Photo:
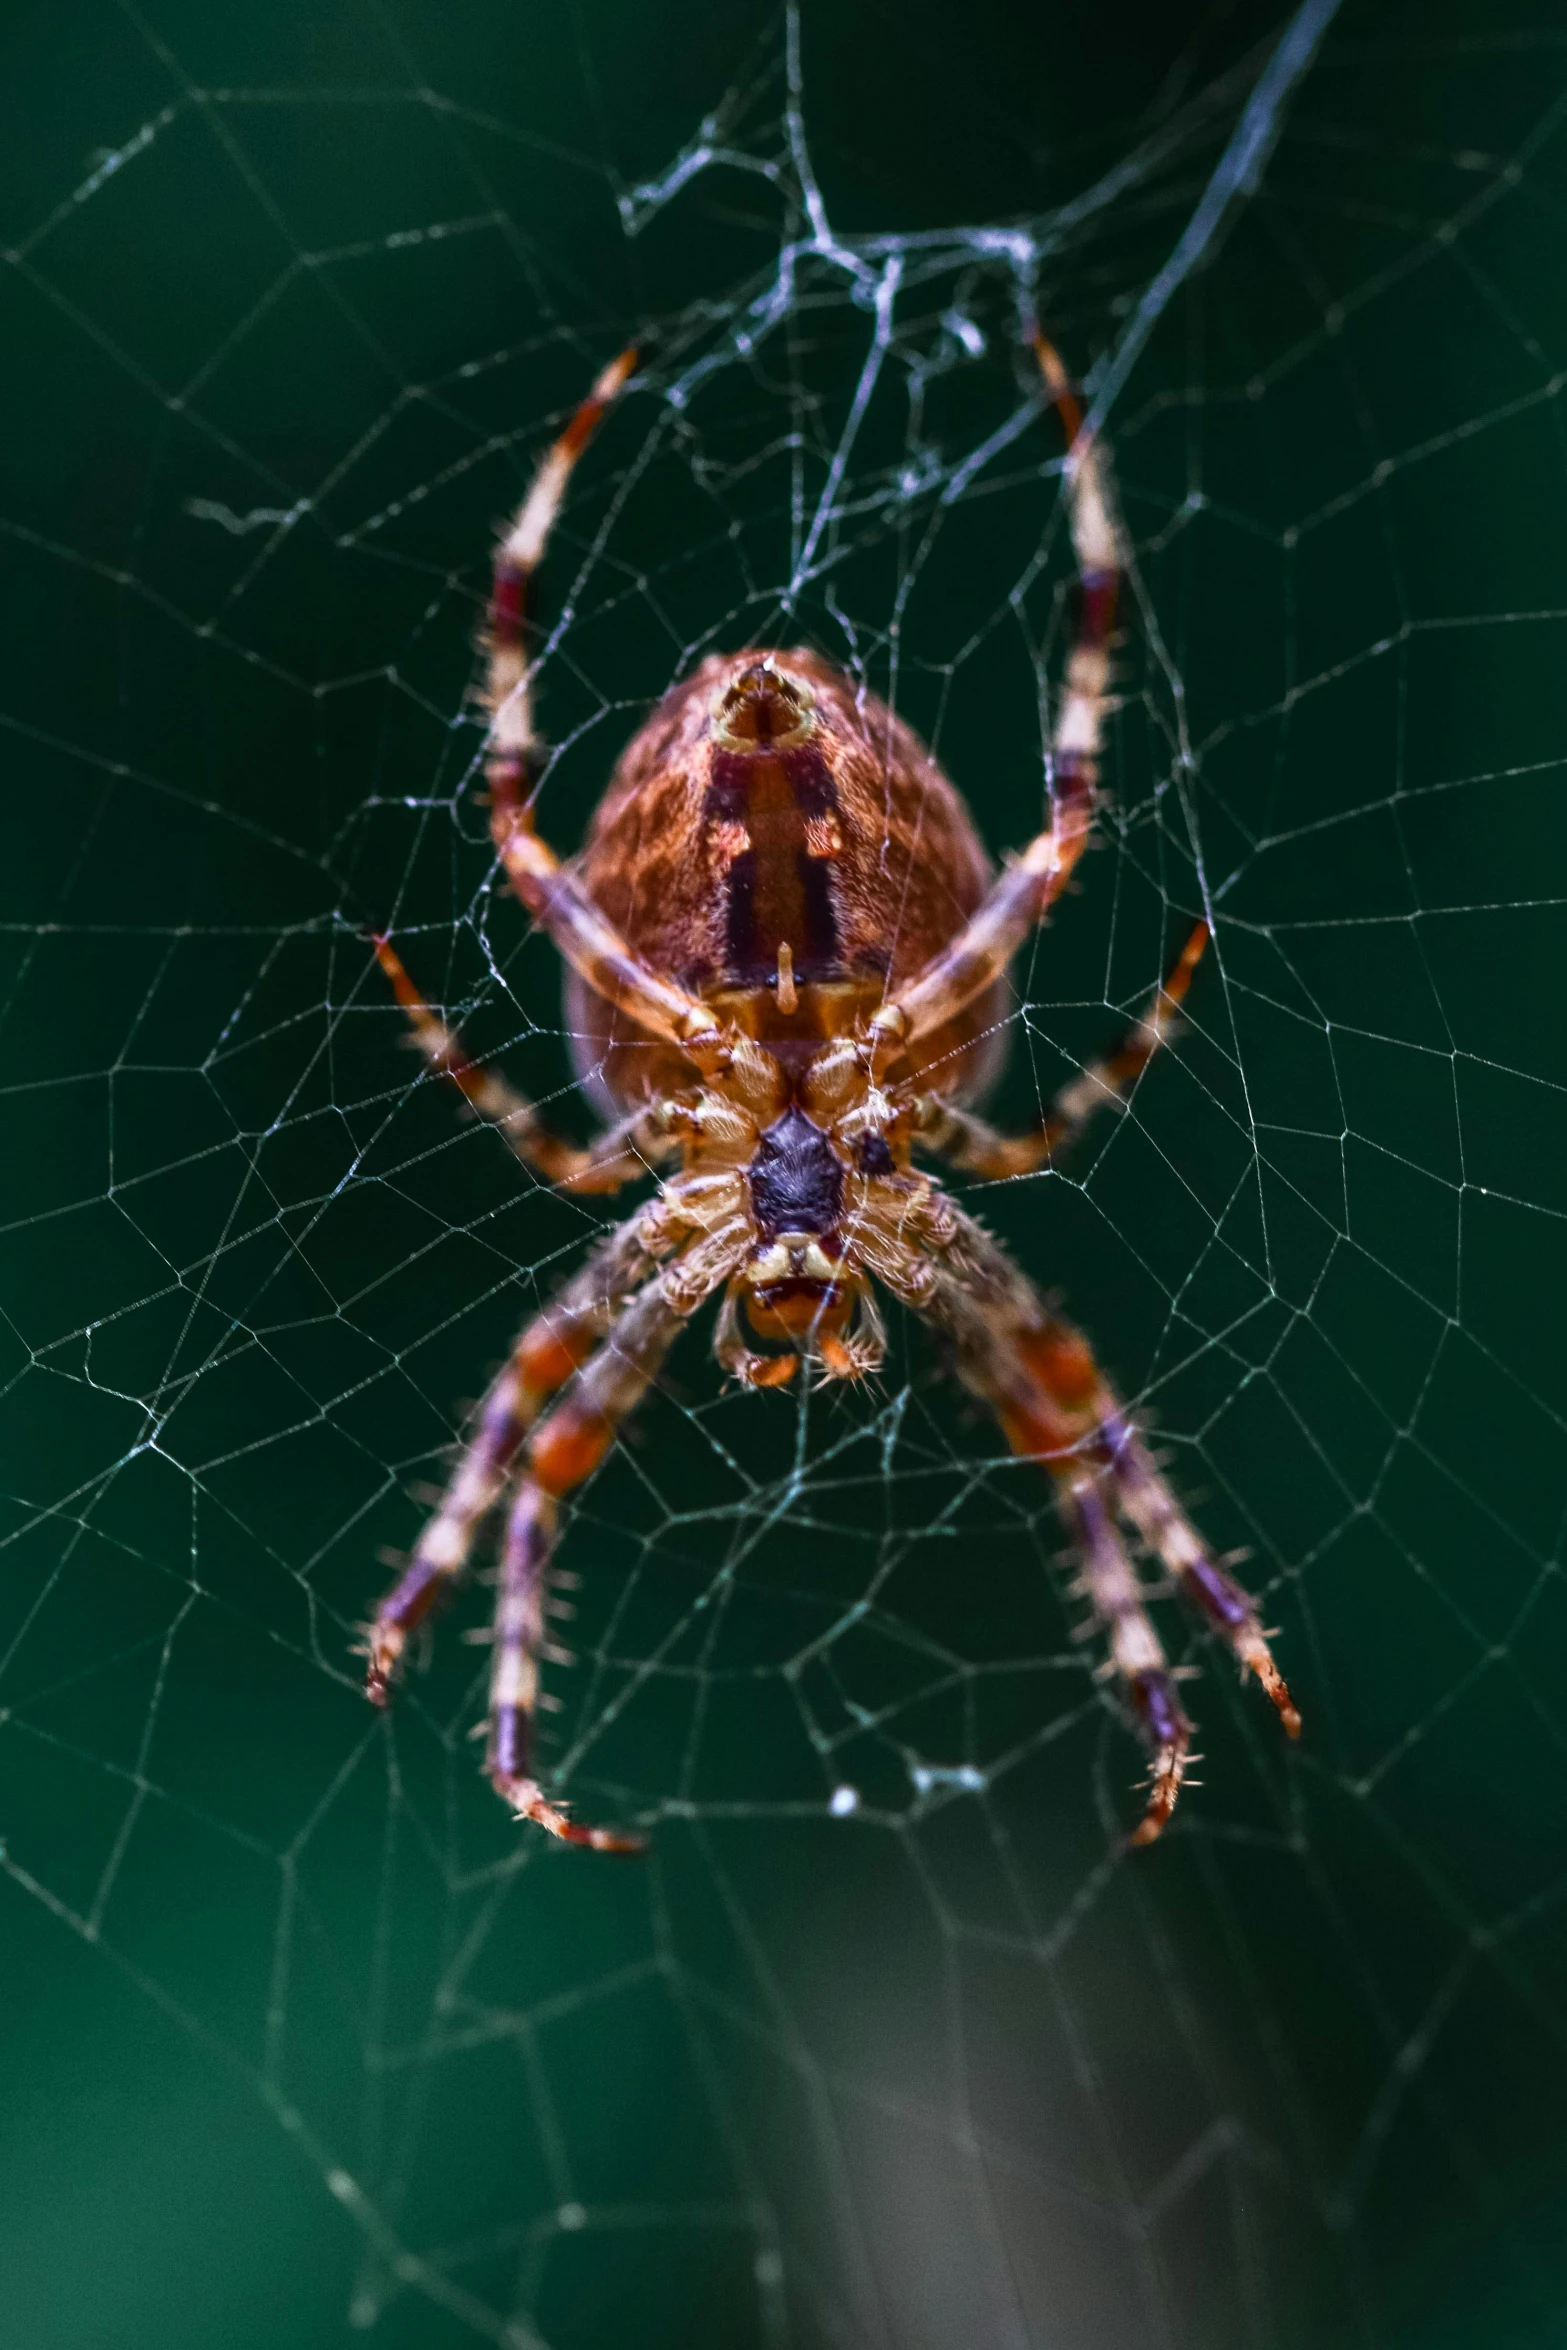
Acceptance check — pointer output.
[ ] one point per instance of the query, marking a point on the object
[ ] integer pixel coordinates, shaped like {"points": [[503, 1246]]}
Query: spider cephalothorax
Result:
{"points": [[787, 958]]}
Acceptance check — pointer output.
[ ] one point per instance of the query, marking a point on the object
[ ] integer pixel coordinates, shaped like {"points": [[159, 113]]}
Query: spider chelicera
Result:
{"points": [[786, 958]]}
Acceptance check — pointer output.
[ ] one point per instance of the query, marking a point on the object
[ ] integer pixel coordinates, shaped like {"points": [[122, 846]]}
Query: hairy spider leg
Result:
{"points": [[441, 1552], [563, 1451], [1061, 1359], [975, 1147], [1108, 1581], [613, 1160], [595, 949], [1031, 883], [1105, 1084], [550, 1351], [1146, 1500], [552, 893], [512, 750], [1046, 1394], [1039, 1376]]}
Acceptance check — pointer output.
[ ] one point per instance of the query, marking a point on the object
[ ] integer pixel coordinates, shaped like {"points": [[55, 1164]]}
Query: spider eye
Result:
{"points": [[873, 1157]]}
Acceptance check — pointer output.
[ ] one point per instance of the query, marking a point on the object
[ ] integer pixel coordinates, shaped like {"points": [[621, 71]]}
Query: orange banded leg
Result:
{"points": [[1146, 1500], [548, 1354], [1108, 1581], [1101, 561], [1062, 1361], [977, 1148], [514, 1676], [1039, 1376], [616, 1158], [565, 1450], [1025, 892], [553, 895], [441, 1552], [1072, 1392], [1047, 1393], [513, 746]]}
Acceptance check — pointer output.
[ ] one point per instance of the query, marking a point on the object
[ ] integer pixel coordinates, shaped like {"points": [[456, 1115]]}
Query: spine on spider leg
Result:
{"points": [[1137, 1659], [1050, 1413], [563, 1452], [514, 1677], [488, 1095], [1039, 1377], [512, 749], [550, 1352], [1032, 883], [442, 1550], [1226, 1606], [1105, 1084]]}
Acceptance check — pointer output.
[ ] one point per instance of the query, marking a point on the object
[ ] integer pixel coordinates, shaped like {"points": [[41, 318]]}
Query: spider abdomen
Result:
{"points": [[790, 849]]}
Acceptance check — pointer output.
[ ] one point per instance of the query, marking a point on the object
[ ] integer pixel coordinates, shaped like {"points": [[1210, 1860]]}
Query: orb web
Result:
{"points": [[887, 2041]]}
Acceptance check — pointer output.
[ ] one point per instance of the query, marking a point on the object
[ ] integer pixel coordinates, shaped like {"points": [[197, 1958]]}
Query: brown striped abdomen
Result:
{"points": [[765, 804]]}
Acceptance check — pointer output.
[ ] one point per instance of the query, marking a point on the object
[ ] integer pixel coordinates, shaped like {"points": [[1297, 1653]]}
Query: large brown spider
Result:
{"points": [[786, 960]]}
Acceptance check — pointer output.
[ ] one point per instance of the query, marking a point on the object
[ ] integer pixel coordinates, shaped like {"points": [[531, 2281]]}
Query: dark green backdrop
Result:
{"points": [[298, 2034]]}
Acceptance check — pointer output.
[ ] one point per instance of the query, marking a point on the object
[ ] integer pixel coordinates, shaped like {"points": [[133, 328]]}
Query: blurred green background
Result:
{"points": [[300, 2036]]}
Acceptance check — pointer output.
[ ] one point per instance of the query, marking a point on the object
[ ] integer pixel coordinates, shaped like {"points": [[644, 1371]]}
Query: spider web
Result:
{"points": [[886, 2043]]}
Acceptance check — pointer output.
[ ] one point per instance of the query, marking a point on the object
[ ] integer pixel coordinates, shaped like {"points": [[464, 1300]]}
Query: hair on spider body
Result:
{"points": [[787, 958]]}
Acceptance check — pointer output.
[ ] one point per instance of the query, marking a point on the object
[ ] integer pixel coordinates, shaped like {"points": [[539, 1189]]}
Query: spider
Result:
{"points": [[786, 967]]}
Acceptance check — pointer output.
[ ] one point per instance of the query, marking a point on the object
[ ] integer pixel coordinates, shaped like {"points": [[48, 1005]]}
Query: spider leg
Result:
{"points": [[974, 1147], [513, 748], [1039, 1377], [552, 894], [1023, 895], [1109, 1582], [628, 1150], [1147, 1501], [548, 1353], [565, 1450]]}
